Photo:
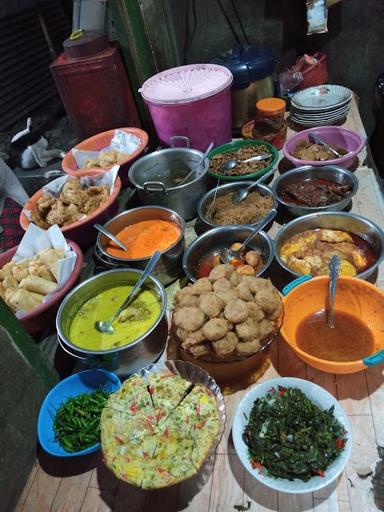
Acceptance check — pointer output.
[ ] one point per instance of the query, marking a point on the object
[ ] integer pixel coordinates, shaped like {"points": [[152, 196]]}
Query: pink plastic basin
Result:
{"points": [[349, 140], [44, 315], [192, 101]]}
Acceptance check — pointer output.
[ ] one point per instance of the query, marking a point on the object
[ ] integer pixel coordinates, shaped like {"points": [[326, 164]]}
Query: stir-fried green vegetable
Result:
{"points": [[77, 421], [290, 437]]}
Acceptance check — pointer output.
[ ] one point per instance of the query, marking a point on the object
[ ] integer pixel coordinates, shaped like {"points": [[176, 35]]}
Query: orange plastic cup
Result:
{"points": [[354, 296]]}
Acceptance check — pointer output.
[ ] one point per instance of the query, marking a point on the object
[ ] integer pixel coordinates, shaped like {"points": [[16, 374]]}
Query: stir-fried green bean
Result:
{"points": [[289, 437], [77, 421]]}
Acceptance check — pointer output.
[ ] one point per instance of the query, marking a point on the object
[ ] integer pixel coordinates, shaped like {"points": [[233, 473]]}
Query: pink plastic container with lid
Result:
{"points": [[192, 101]]}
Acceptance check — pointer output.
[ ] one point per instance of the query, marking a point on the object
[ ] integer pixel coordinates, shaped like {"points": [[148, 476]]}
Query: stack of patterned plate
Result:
{"points": [[321, 105]]}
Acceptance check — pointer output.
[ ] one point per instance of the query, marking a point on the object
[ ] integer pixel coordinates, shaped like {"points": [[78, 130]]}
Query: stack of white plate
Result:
{"points": [[321, 105]]}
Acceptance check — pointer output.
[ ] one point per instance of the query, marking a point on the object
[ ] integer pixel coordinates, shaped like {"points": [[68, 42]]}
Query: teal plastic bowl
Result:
{"points": [[233, 146], [82, 382]]}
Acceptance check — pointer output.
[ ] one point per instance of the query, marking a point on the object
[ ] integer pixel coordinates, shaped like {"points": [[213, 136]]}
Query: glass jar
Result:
{"points": [[270, 124]]}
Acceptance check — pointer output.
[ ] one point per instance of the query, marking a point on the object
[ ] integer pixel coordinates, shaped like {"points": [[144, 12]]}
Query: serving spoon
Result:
{"points": [[231, 164], [315, 139], [109, 235], [334, 269], [106, 325], [227, 255], [240, 195], [197, 165]]}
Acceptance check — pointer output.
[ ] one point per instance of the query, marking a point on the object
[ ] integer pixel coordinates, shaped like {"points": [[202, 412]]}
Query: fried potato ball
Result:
{"points": [[234, 279], [221, 284], [246, 348], [257, 284], [221, 271], [200, 350], [247, 330], [193, 338], [244, 291], [255, 311], [265, 328], [227, 295], [227, 345], [187, 299], [210, 304], [189, 318], [215, 329], [268, 300], [236, 311], [201, 285]]}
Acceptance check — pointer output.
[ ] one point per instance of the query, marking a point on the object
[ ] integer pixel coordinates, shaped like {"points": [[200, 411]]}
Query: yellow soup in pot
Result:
{"points": [[132, 322]]}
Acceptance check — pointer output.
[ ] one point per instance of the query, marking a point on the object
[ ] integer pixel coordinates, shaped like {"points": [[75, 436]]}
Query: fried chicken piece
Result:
{"points": [[95, 197], [236, 311], [221, 285], [44, 204], [38, 220], [244, 291], [246, 348], [189, 318], [227, 295], [227, 345], [73, 193], [210, 304], [221, 271], [200, 350], [72, 214], [255, 311], [247, 330], [215, 329], [269, 301], [201, 285], [57, 214]]}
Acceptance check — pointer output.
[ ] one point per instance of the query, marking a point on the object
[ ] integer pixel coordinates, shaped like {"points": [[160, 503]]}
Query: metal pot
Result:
{"points": [[155, 177], [306, 172], [168, 267], [350, 222], [128, 358], [227, 189]]}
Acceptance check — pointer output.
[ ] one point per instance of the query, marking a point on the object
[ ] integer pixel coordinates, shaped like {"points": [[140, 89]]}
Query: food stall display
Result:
{"points": [[233, 326]]}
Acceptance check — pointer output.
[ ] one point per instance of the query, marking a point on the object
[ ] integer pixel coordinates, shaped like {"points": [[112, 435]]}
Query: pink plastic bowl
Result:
{"points": [[42, 316], [352, 141]]}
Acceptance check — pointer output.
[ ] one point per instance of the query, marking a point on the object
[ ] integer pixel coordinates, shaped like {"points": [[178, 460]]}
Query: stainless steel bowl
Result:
{"points": [[343, 221], [226, 189], [224, 236], [169, 266], [154, 177], [128, 358], [307, 172]]}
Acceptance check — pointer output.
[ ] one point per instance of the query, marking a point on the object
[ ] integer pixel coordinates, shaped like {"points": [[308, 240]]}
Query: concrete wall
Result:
{"points": [[354, 43]]}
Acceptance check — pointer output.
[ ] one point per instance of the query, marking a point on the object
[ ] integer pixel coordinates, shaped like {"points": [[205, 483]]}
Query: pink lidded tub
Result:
{"points": [[192, 101]]}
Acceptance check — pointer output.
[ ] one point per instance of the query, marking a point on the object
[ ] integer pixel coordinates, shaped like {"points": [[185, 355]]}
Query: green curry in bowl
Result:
{"points": [[132, 323]]}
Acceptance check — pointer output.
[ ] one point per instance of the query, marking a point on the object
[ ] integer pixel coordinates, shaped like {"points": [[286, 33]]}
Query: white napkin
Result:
{"points": [[10, 186], [123, 142]]}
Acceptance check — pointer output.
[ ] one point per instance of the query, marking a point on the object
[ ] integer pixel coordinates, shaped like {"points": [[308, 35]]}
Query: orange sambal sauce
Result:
{"points": [[144, 238]]}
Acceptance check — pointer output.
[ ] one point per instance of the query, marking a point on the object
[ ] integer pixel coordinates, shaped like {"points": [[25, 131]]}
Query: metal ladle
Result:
{"points": [[231, 164], [315, 139], [109, 235], [241, 194], [197, 165], [227, 255], [334, 269], [106, 325]]}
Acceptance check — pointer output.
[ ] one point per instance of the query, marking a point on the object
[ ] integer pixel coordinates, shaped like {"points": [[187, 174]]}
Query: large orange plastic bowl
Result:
{"points": [[82, 232], [101, 141], [44, 315], [354, 296]]}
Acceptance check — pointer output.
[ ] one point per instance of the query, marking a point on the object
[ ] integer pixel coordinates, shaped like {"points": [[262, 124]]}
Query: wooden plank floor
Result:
{"points": [[86, 485]]}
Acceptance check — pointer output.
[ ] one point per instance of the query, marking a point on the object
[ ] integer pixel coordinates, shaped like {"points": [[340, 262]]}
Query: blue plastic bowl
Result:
{"points": [[82, 382]]}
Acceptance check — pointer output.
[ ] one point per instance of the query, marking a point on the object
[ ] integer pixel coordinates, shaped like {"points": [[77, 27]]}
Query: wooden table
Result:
{"points": [[87, 486]]}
